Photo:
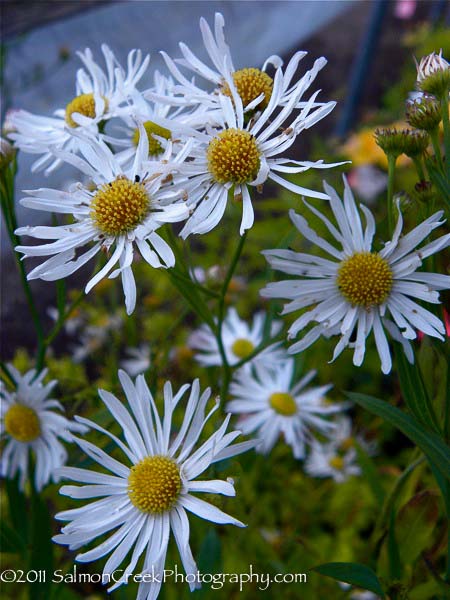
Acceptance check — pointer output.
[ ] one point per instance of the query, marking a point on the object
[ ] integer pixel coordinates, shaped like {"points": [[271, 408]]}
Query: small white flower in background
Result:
{"points": [[272, 404], [31, 421], [93, 337], [240, 157], [239, 339], [337, 458], [358, 288], [146, 498], [254, 86], [124, 211], [138, 360], [72, 324], [98, 98], [367, 182]]}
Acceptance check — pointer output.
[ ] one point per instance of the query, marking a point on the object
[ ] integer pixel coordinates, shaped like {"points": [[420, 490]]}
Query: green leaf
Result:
{"points": [[414, 392], [41, 556], [17, 510], [432, 446], [10, 540], [353, 573], [416, 524], [393, 551]]}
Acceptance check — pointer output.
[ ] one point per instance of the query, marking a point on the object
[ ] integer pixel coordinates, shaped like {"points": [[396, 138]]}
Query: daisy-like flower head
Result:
{"points": [[98, 98], [124, 210], [30, 421], [151, 112], [360, 290], [239, 341], [254, 86], [147, 497], [271, 403], [241, 157], [433, 75], [337, 458]]}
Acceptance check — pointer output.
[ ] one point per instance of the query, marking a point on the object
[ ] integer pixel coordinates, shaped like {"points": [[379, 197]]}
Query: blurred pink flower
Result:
{"points": [[405, 9]]}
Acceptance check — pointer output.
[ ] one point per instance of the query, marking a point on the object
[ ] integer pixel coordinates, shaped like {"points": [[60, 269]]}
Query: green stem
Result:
{"points": [[62, 318], [434, 135], [446, 124], [418, 164], [390, 197], [221, 315]]}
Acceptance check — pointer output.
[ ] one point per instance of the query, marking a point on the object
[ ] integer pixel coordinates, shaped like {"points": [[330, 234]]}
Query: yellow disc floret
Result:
{"points": [[251, 83], [83, 104], [337, 462], [154, 484], [22, 423], [154, 146], [119, 206], [365, 279], [242, 348], [283, 403], [233, 157]]}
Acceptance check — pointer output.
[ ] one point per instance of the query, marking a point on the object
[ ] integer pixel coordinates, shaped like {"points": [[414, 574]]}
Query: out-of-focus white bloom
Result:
{"points": [[146, 497], [95, 336], [337, 458], [30, 421], [100, 95], [271, 403], [239, 341], [358, 288], [124, 211], [368, 182], [138, 361]]}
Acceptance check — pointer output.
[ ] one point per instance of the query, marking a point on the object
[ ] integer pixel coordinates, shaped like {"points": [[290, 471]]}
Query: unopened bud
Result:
{"points": [[424, 113], [433, 75]]}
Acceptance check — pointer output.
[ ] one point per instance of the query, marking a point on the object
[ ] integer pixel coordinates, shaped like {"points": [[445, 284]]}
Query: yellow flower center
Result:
{"points": [[365, 279], [347, 444], [22, 423], [154, 147], [283, 403], [119, 206], [83, 104], [154, 484], [233, 157], [337, 462], [250, 83], [242, 348]]}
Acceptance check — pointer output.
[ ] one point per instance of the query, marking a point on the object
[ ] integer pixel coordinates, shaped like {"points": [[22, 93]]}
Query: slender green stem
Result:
{"points": [[417, 160], [390, 194], [446, 124], [226, 376], [202, 288], [434, 135]]}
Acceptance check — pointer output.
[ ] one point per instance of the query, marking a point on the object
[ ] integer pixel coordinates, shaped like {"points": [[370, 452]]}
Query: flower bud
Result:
{"points": [[433, 75], [425, 192], [7, 153], [394, 142], [424, 113]]}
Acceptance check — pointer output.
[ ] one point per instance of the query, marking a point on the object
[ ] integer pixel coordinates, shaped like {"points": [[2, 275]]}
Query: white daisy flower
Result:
{"points": [[138, 360], [337, 457], [124, 210], [358, 288], [271, 403], [151, 113], [244, 156], [30, 421], [96, 336], [239, 340], [147, 497], [98, 98], [254, 86]]}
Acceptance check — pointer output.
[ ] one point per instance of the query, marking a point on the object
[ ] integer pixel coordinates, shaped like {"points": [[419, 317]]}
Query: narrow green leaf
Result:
{"points": [[17, 509], [10, 540], [431, 445], [353, 573], [41, 556], [414, 392], [416, 522], [395, 564]]}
